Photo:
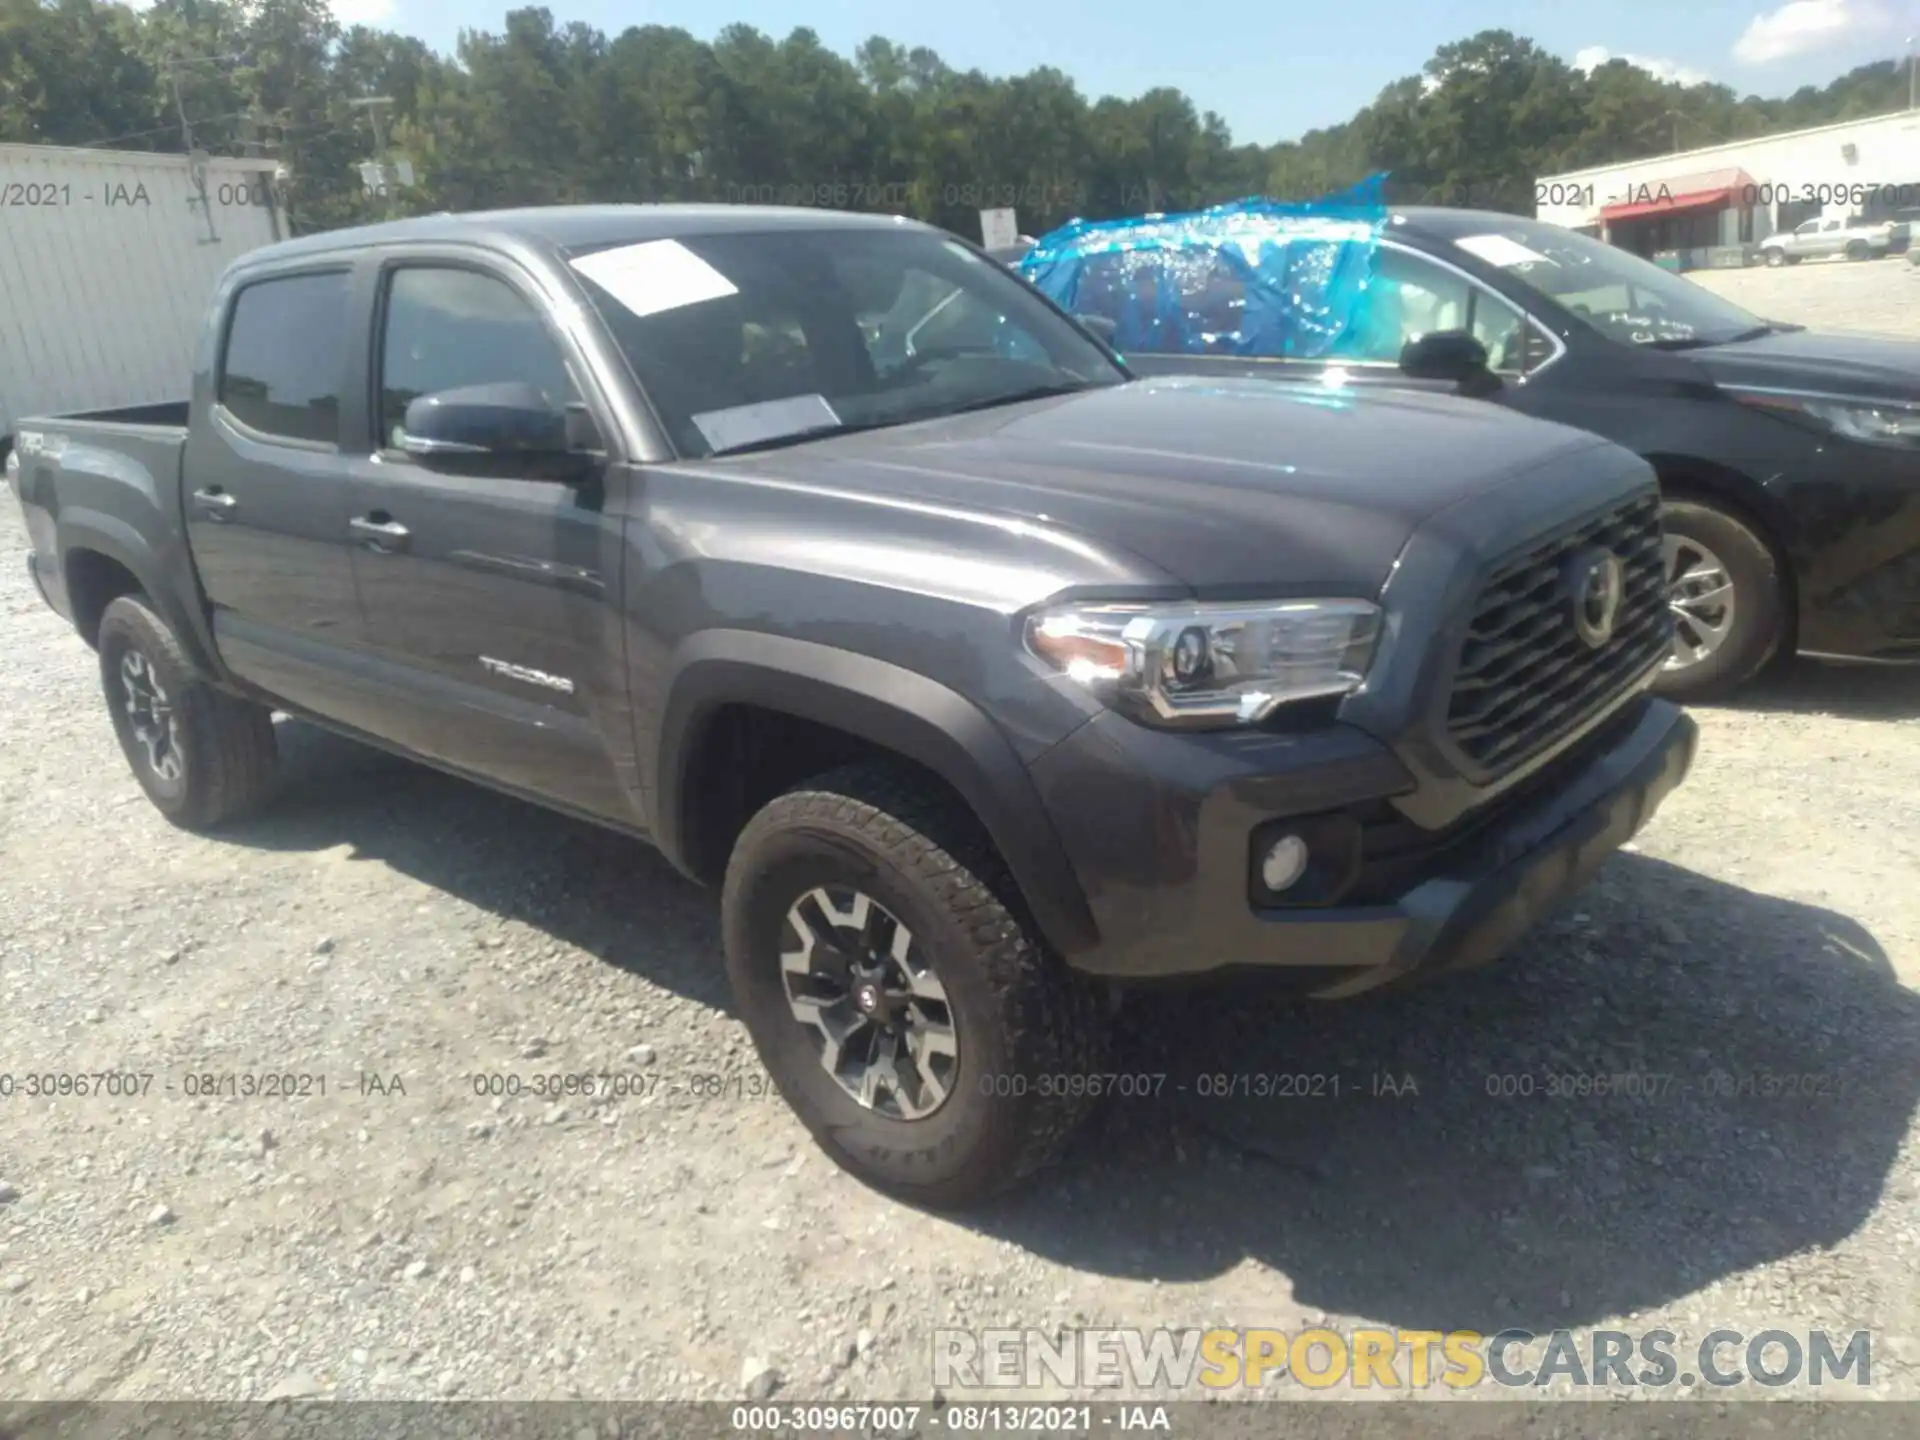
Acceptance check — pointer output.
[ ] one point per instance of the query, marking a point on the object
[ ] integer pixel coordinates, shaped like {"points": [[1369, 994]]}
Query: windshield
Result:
{"points": [[748, 340], [1622, 296]]}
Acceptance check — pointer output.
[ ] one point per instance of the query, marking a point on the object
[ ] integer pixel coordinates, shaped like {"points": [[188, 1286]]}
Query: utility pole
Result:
{"points": [[196, 158], [180, 107], [1910, 73], [374, 105]]}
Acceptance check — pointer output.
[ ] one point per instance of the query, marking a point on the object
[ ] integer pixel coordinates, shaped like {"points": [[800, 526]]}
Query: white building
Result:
{"points": [[107, 261], [1733, 195]]}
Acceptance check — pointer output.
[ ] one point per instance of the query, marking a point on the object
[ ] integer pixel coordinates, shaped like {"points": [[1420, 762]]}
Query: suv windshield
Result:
{"points": [[746, 340], [1622, 296]]}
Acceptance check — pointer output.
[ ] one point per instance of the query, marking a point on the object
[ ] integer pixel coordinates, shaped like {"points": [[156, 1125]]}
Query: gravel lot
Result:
{"points": [[1877, 295], [418, 1239]]}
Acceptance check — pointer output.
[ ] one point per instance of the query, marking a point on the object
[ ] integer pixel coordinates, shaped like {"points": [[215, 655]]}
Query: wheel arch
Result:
{"points": [[98, 554], [1684, 477], [876, 709]]}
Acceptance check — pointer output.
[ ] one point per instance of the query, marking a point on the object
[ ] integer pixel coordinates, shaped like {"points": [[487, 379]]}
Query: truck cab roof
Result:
{"points": [[580, 227]]}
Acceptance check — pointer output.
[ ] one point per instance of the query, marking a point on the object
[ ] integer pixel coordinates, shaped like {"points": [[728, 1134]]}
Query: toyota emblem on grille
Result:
{"points": [[1596, 584]]}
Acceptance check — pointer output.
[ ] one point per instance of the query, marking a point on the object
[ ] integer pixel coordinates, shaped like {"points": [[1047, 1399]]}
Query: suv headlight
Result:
{"points": [[1209, 665], [1876, 422]]}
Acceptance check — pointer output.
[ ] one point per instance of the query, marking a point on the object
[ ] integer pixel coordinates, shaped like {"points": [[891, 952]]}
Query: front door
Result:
{"points": [[1407, 296], [267, 495], [491, 598]]}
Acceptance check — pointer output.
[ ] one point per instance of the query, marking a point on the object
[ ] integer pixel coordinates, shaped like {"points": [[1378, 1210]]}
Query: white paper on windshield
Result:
{"points": [[1499, 250], [654, 276], [769, 420]]}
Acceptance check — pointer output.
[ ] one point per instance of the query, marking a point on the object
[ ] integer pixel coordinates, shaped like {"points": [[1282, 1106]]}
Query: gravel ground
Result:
{"points": [[1876, 295], [409, 1237]]}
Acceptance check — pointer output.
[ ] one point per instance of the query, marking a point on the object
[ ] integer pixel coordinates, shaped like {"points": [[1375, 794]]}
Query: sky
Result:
{"points": [[1272, 68]]}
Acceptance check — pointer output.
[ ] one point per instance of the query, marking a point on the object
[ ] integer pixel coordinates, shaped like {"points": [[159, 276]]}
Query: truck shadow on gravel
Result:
{"points": [[614, 897], [1447, 1166], [1771, 1060]]}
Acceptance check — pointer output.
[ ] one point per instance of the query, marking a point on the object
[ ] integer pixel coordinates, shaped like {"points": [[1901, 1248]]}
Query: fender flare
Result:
{"points": [[894, 708], [86, 529]]}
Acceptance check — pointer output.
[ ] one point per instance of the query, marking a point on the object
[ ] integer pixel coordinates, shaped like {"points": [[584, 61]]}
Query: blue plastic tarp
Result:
{"points": [[1251, 277]]}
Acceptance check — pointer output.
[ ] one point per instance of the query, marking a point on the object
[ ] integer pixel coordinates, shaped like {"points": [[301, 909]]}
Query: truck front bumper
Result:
{"points": [[1165, 833]]}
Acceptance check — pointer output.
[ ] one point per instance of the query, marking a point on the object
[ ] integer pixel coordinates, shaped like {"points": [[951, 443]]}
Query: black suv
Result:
{"points": [[817, 549]]}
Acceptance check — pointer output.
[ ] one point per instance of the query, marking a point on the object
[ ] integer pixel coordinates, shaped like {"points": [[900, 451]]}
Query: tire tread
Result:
{"points": [[1057, 1021], [232, 752]]}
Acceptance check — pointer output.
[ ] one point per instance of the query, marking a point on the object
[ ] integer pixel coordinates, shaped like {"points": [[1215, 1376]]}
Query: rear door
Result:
{"points": [[491, 599], [266, 488]]}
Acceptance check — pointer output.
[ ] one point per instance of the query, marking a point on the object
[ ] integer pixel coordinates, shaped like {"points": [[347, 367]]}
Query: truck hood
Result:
{"points": [[1834, 362], [1222, 484]]}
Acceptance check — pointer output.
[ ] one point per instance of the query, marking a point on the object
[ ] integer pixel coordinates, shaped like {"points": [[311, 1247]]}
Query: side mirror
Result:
{"points": [[1453, 356], [1101, 326], [503, 429]]}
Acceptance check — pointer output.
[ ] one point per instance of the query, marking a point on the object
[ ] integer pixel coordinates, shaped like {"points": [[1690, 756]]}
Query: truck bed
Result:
{"points": [[111, 469], [167, 414]]}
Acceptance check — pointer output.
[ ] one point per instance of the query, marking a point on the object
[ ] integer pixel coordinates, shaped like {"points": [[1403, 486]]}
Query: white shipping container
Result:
{"points": [[107, 261]]}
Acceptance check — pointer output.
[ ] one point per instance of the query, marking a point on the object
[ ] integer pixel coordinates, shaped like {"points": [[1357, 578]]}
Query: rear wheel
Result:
{"points": [[203, 756], [911, 1017], [1859, 250], [1725, 595]]}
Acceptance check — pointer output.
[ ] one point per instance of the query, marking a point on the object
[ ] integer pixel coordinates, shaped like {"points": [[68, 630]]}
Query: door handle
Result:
{"points": [[382, 534], [215, 501]]}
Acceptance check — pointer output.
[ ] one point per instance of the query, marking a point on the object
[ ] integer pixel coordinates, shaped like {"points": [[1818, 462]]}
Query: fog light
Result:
{"points": [[1284, 863]]}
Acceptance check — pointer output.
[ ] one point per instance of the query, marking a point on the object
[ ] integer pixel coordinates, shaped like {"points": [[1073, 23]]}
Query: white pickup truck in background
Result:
{"points": [[107, 261], [1852, 237]]}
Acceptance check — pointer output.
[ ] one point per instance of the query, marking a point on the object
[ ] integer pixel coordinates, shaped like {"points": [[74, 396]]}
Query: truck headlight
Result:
{"points": [[1206, 665]]}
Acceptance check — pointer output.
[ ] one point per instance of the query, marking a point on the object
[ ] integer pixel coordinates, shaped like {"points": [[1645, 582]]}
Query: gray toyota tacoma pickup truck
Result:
{"points": [[981, 677]]}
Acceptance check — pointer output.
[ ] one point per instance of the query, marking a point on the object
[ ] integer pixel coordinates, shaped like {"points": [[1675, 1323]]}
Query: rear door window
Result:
{"points": [[286, 350]]}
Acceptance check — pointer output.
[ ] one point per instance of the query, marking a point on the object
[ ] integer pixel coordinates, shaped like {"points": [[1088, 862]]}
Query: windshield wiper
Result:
{"points": [[1032, 392], [822, 432], [1700, 342], [812, 432]]}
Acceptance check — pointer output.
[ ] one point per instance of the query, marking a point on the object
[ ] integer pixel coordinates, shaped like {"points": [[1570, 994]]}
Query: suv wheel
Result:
{"points": [[907, 1012], [1723, 588], [202, 756], [1776, 256]]}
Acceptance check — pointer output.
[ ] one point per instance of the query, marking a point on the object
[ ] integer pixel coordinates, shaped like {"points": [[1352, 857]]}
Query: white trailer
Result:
{"points": [[107, 261]]}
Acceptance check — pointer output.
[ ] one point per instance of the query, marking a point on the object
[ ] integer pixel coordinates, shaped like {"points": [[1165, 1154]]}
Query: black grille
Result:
{"points": [[1526, 677]]}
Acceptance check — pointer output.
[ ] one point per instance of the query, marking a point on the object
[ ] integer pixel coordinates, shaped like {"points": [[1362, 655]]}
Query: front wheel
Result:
{"points": [[914, 1021], [1726, 599], [203, 757], [1776, 257]]}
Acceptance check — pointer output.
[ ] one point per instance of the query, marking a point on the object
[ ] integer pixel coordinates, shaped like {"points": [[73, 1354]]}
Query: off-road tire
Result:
{"points": [[1032, 1036], [225, 744], [1759, 609]]}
